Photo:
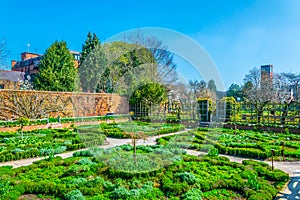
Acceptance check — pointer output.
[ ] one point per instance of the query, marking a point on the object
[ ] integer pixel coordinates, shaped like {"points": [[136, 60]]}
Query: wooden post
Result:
{"points": [[272, 150], [282, 151]]}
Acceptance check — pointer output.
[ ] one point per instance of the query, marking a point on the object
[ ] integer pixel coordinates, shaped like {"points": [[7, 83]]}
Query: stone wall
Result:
{"points": [[39, 104]]}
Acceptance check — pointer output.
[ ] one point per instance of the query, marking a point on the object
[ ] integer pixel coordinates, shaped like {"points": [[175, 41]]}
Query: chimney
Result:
{"points": [[27, 55], [13, 62]]}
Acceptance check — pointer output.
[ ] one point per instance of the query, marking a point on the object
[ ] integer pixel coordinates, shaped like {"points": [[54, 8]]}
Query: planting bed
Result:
{"points": [[116, 130], [86, 177], [43, 142], [243, 143], [47, 142]]}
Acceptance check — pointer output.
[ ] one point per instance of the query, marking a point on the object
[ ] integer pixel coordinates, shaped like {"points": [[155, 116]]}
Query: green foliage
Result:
{"points": [[151, 93], [216, 177], [234, 91], [187, 177], [193, 194], [93, 62], [213, 152], [74, 195], [4, 187], [212, 85], [85, 161], [23, 121], [253, 182], [44, 142], [125, 62], [56, 70]]}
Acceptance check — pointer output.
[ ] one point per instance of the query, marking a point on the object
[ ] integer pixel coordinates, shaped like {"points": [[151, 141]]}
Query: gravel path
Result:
{"points": [[290, 192], [112, 142]]}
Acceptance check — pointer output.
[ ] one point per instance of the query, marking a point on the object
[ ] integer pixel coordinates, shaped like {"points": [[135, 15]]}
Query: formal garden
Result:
{"points": [[148, 152], [242, 143], [83, 176], [48, 142]]}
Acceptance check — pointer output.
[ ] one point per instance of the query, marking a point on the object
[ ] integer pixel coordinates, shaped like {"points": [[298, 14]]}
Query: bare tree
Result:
{"points": [[260, 92], [293, 81], [163, 64], [134, 137], [254, 77], [15, 105]]}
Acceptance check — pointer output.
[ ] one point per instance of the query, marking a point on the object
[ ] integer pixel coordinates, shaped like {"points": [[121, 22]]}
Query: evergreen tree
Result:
{"points": [[57, 70], [234, 91], [90, 43], [92, 63], [211, 85]]}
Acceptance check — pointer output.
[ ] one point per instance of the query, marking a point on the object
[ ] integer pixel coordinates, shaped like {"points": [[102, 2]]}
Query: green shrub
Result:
{"points": [[213, 152], [74, 195], [187, 177], [78, 181], [120, 193], [85, 161], [4, 187], [193, 194]]}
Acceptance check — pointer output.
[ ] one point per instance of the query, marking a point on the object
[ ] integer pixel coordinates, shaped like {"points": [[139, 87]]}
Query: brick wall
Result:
{"points": [[74, 104], [9, 85]]}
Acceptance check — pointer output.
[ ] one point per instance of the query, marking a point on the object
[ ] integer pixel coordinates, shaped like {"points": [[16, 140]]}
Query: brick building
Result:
{"points": [[29, 62]]}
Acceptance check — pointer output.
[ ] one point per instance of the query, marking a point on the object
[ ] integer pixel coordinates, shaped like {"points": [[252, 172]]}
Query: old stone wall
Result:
{"points": [[37, 104]]}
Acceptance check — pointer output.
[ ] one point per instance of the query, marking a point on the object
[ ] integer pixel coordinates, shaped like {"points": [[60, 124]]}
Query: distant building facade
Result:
{"points": [[267, 72], [11, 79], [29, 62]]}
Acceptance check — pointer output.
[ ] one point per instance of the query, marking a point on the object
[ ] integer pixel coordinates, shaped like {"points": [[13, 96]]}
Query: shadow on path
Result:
{"points": [[292, 191]]}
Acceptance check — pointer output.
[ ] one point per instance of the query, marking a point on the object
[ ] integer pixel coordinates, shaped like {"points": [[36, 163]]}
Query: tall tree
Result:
{"points": [[89, 45], [212, 86], [127, 68], [294, 82], [92, 63], [163, 60], [56, 70], [148, 95], [253, 77], [235, 91]]}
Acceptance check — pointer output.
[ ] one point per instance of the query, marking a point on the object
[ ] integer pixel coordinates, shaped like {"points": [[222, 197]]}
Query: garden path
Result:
{"points": [[58, 125], [291, 191]]}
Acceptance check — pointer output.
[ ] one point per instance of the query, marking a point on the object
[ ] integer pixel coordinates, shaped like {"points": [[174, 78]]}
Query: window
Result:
{"points": [[1, 86], [76, 56]]}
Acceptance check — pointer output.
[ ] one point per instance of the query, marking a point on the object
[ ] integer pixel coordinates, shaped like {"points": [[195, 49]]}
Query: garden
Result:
{"points": [[243, 143], [162, 171], [85, 176], [48, 142]]}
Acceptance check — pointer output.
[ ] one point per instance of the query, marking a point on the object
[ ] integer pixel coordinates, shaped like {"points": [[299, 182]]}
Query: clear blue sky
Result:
{"points": [[237, 34]]}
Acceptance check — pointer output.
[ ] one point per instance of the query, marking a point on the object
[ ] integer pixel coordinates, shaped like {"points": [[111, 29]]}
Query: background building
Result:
{"points": [[11, 79], [267, 72], [29, 62]]}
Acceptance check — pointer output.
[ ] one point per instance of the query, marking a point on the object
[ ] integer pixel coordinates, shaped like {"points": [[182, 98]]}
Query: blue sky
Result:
{"points": [[237, 34]]}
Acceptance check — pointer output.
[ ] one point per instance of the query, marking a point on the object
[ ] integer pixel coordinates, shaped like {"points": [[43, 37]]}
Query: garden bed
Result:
{"points": [[264, 128], [244, 143], [190, 177]]}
